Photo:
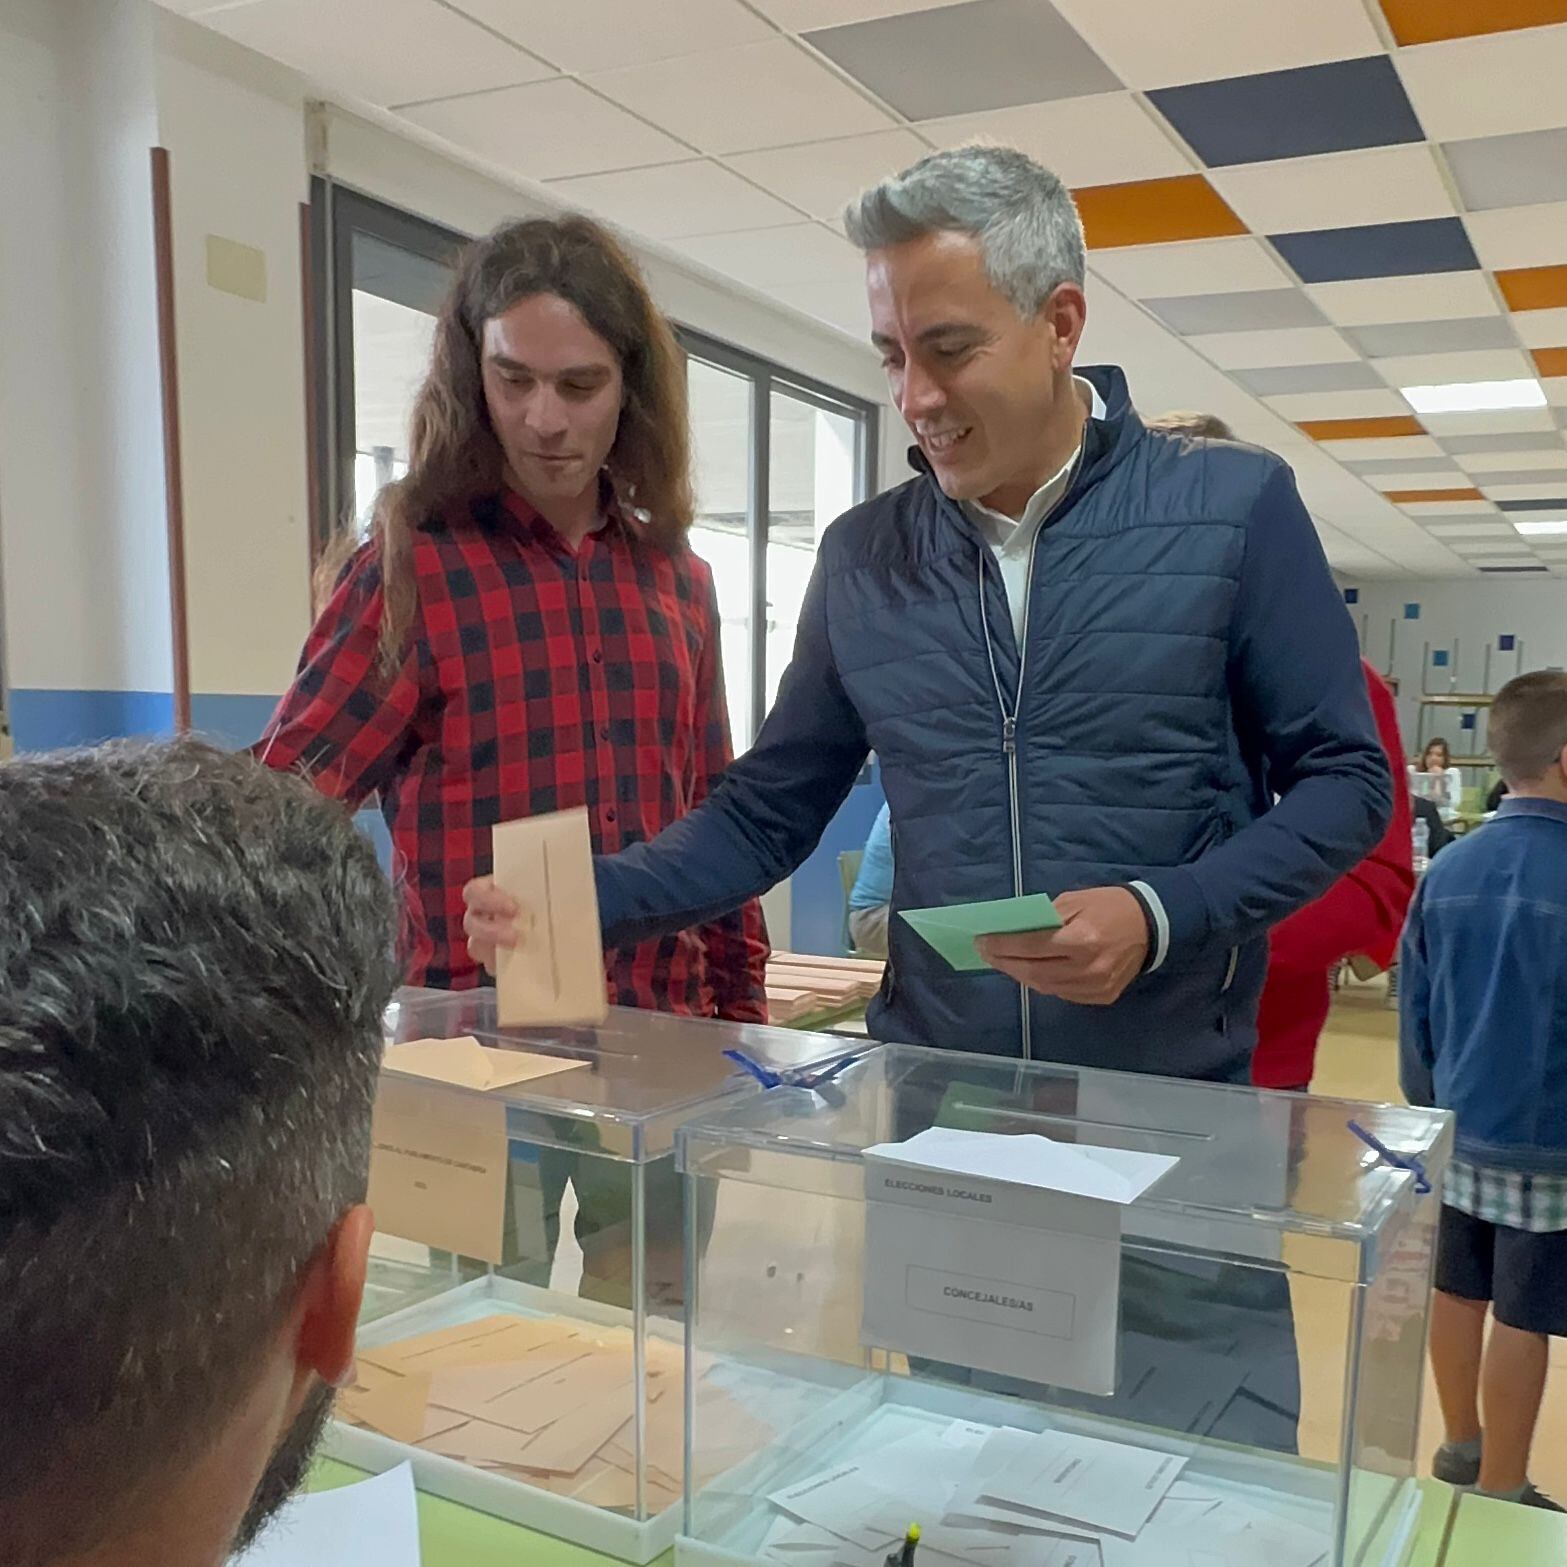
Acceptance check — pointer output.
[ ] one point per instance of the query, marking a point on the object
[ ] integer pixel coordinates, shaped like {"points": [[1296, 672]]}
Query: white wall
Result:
{"points": [[234, 127], [1462, 617], [81, 459]]}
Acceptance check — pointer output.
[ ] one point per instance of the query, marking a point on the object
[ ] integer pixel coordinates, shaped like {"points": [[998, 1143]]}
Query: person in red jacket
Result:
{"points": [[1362, 912]]}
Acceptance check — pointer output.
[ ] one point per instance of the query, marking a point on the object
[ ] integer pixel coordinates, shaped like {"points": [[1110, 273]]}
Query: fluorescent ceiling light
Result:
{"points": [[1553, 529], [1461, 397]]}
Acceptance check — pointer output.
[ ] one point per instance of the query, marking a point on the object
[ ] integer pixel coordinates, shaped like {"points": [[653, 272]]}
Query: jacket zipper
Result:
{"points": [[1009, 718]]}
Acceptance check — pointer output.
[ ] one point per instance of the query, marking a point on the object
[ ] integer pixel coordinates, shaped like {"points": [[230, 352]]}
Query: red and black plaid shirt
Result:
{"points": [[535, 680]]}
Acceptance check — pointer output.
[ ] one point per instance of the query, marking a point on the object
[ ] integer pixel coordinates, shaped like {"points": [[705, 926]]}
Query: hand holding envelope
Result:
{"points": [[534, 924]]}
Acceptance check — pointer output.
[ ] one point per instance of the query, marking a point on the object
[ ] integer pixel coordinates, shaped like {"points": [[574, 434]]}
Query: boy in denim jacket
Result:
{"points": [[1484, 1034]]}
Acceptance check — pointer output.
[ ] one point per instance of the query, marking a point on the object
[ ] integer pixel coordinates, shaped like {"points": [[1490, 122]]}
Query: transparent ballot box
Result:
{"points": [[1057, 1318], [522, 1340]]}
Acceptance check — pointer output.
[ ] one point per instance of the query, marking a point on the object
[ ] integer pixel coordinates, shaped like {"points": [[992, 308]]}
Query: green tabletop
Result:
{"points": [[1500, 1534], [1454, 1531], [451, 1535]]}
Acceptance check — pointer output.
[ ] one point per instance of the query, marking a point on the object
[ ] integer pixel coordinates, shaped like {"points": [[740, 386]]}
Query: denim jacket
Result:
{"points": [[1483, 986]]}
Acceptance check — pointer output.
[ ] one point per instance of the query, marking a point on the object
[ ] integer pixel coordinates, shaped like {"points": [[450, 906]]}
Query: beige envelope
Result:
{"points": [[463, 1061], [556, 975], [438, 1168]]}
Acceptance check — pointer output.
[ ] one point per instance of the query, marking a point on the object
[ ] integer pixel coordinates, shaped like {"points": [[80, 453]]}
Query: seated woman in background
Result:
{"points": [[1437, 780]]}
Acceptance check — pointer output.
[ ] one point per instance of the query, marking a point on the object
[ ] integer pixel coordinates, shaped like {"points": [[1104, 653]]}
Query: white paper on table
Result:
{"points": [[969, 1508], [1001, 1253], [840, 1501], [374, 1523], [1111, 1486], [1119, 1175]]}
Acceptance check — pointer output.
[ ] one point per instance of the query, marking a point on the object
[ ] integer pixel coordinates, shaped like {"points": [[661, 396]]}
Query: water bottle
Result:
{"points": [[1421, 844]]}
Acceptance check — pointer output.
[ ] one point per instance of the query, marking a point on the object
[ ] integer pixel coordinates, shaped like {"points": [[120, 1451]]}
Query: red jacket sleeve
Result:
{"points": [[1362, 912], [345, 721]]}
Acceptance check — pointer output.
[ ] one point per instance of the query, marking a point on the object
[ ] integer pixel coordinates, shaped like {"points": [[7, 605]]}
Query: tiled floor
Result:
{"points": [[1358, 1059]]}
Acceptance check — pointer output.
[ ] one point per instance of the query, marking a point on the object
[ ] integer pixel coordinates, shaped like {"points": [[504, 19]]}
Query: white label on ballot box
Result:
{"points": [[1001, 1253]]}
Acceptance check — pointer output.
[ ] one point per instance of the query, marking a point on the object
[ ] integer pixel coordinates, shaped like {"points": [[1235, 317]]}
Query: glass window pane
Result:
{"points": [[721, 445], [813, 479], [391, 355]]}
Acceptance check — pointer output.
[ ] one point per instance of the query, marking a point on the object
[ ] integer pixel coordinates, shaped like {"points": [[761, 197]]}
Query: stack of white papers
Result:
{"points": [[998, 1497]]}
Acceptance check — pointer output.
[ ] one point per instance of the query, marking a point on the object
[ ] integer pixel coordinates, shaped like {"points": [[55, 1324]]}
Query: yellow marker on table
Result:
{"points": [[904, 1555]]}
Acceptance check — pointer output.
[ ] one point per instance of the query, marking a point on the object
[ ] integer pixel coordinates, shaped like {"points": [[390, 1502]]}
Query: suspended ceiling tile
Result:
{"points": [[678, 199], [1370, 185], [1159, 46], [737, 100], [1541, 328], [1392, 426], [1487, 421], [1541, 491], [1435, 495], [822, 177], [1464, 446], [770, 257], [1467, 528], [1255, 311], [1551, 503], [800, 16], [1378, 250], [1292, 114], [960, 59], [1405, 449], [1395, 465], [1534, 288], [599, 35], [1423, 510], [1487, 364], [1510, 171], [1251, 350], [1549, 362], [1316, 406], [1152, 212], [1489, 86], [1431, 337], [1283, 380], [1416, 482], [384, 51], [1108, 139], [1515, 462], [1515, 237], [547, 130], [1431, 296], [1231, 266], [1430, 21]]}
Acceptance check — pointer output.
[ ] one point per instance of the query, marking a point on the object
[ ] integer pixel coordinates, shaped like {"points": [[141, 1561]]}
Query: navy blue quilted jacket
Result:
{"points": [[1187, 711]]}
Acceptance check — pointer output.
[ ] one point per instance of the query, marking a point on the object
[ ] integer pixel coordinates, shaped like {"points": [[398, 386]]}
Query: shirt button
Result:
{"points": [[598, 658], [604, 732], [609, 816]]}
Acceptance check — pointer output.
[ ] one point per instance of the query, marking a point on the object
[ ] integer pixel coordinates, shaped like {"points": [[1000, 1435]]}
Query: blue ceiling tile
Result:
{"points": [[1557, 503], [1292, 114], [1378, 250]]}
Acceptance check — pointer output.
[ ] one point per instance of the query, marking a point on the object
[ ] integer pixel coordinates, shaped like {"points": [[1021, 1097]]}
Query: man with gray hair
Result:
{"points": [[1090, 657], [196, 956]]}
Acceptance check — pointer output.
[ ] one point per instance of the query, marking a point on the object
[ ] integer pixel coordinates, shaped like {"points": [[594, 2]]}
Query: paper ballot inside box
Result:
{"points": [[1000, 1252]]}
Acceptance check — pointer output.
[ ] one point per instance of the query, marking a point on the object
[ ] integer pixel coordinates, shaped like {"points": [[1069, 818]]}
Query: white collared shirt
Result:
{"points": [[1012, 538]]}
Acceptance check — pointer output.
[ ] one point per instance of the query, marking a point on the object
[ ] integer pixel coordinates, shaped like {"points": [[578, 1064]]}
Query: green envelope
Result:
{"points": [[952, 930]]}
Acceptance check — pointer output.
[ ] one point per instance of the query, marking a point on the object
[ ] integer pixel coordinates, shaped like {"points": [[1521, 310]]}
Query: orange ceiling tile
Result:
{"points": [[1361, 429], [1550, 361], [1534, 288], [1428, 21], [1154, 212], [1405, 497]]}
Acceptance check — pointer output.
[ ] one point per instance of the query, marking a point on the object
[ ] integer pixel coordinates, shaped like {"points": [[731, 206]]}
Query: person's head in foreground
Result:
{"points": [[1528, 734], [195, 958], [974, 269]]}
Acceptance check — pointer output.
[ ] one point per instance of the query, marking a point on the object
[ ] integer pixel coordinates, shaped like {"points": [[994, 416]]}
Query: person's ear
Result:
{"points": [[334, 1291], [1065, 313]]}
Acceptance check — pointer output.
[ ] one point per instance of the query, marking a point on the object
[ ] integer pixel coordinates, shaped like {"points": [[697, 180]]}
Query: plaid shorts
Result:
{"points": [[1536, 1204]]}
